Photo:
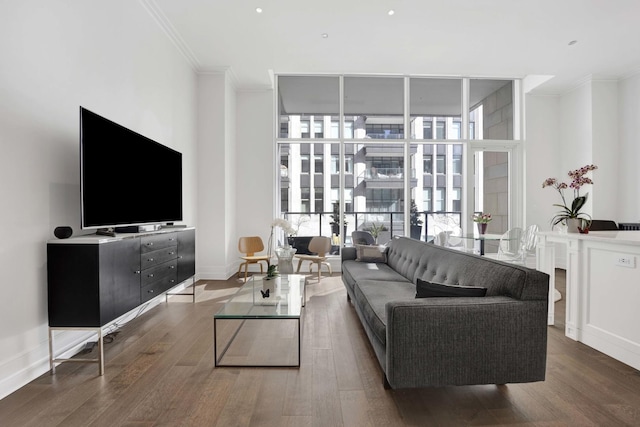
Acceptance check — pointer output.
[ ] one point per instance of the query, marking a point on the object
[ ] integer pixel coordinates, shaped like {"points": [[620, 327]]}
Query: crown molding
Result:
{"points": [[631, 74], [156, 13], [226, 71]]}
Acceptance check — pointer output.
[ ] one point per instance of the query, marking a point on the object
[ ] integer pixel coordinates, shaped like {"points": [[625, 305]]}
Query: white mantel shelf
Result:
{"points": [[603, 289]]}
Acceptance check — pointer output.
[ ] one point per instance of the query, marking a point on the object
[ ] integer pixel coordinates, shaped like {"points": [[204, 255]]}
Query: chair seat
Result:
{"points": [[255, 258], [311, 257]]}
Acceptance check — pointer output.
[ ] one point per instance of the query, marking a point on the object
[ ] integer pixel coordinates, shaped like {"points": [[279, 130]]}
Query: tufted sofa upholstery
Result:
{"points": [[497, 339]]}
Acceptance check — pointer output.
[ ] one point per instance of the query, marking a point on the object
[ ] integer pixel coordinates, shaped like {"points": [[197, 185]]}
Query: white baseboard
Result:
{"points": [[29, 365]]}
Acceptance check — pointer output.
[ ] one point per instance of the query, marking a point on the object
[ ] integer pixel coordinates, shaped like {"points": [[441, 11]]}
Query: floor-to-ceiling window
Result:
{"points": [[380, 152]]}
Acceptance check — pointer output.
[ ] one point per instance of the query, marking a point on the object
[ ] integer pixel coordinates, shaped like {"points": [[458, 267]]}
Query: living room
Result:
{"points": [[134, 63]]}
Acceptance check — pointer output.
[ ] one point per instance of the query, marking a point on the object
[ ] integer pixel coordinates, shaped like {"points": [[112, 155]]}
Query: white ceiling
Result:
{"points": [[493, 38]]}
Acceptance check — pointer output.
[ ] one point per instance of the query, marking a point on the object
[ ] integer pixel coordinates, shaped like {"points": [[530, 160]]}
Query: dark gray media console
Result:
{"points": [[93, 280]]}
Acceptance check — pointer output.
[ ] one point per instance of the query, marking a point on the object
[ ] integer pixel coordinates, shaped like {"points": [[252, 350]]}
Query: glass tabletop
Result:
{"points": [[280, 297]]}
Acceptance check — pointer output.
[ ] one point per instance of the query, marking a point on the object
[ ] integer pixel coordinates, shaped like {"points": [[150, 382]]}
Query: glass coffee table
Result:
{"points": [[260, 325]]}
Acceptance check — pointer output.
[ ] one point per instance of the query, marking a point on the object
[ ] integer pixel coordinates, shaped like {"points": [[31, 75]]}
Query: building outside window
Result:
{"points": [[304, 129], [441, 200], [441, 129], [426, 199], [456, 199], [305, 165], [427, 164], [441, 164], [305, 202], [374, 159], [456, 164], [319, 199]]}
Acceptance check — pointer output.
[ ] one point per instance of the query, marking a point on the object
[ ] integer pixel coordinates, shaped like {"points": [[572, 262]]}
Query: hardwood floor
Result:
{"points": [[159, 372]]}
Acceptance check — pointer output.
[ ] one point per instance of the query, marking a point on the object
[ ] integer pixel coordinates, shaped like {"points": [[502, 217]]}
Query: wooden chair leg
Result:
{"points": [[240, 269]]}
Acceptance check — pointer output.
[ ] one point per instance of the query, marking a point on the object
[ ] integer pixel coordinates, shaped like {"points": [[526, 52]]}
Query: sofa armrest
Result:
{"points": [[458, 341], [349, 253]]}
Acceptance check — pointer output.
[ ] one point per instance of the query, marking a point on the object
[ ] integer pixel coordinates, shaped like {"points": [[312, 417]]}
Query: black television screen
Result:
{"points": [[126, 178]]}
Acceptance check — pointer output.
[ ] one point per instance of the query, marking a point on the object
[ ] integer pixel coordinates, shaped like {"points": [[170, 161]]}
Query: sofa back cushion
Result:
{"points": [[416, 259]]}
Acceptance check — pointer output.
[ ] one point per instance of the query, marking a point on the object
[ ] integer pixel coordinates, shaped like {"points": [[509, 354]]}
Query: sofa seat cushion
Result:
{"points": [[371, 271], [373, 295]]}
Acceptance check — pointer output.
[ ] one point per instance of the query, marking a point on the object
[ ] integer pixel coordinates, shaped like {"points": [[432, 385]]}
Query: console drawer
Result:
{"points": [[159, 272], [155, 242], [151, 259], [156, 288]]}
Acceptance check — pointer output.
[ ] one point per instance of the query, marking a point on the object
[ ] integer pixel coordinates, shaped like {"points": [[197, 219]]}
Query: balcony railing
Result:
{"points": [[319, 224]]}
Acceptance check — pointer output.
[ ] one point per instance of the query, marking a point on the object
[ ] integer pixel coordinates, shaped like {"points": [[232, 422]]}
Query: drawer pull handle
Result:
{"points": [[150, 244], [150, 291], [172, 239], [173, 281], [150, 275], [150, 259], [172, 253], [137, 272]]}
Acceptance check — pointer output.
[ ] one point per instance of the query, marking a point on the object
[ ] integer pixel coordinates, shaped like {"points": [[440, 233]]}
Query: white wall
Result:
{"points": [[216, 176], [606, 155], [256, 180], [598, 122], [112, 58], [543, 158], [628, 184]]}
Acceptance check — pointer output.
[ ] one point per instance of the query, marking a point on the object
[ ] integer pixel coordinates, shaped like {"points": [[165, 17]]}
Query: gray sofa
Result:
{"points": [[496, 339]]}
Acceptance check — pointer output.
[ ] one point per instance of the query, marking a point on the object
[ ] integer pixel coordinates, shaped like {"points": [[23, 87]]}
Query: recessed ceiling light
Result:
{"points": [[391, 12], [259, 9], [324, 35], [572, 42]]}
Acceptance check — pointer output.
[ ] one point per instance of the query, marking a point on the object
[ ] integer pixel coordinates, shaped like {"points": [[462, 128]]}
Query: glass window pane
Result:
{"points": [[492, 192], [374, 194], [335, 164], [303, 196], [426, 195], [441, 199], [304, 100], [456, 163], [348, 164], [441, 164], [439, 195], [435, 104], [335, 128], [491, 109], [305, 165], [374, 107], [318, 164], [319, 199], [441, 130], [456, 199], [427, 164]]}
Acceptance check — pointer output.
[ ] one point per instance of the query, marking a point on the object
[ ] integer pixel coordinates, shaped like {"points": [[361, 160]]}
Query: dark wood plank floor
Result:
{"points": [[159, 372]]}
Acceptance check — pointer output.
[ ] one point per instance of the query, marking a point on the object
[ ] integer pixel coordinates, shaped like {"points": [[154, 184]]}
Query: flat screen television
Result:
{"points": [[126, 179]]}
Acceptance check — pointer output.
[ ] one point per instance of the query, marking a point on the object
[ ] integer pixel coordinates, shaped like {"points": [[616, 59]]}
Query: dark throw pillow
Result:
{"points": [[426, 289]]}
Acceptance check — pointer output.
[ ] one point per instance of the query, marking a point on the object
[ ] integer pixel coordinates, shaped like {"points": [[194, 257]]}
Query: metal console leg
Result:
{"points": [[53, 360]]}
